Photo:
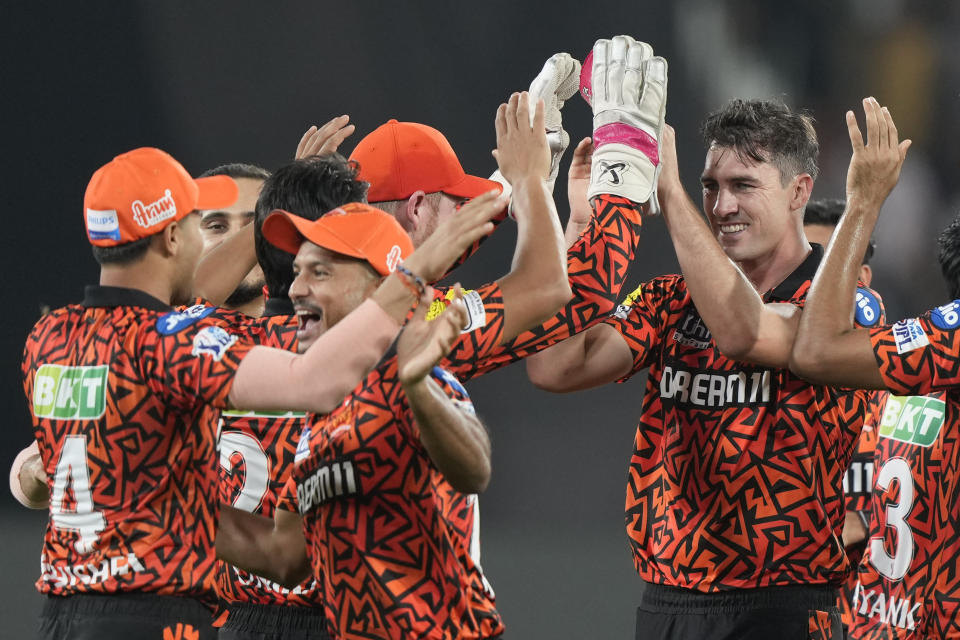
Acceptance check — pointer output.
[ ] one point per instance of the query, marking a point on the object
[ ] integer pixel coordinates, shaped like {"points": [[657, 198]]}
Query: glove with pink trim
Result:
{"points": [[627, 88]]}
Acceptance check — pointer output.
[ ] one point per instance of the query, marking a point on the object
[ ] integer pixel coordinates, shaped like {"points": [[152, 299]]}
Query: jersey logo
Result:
{"points": [[623, 309], [867, 310], [213, 342], [692, 332], [177, 321], [708, 389], [70, 393], [946, 317], [913, 419], [331, 480], [612, 172], [103, 224], [909, 335], [303, 446], [473, 301]]}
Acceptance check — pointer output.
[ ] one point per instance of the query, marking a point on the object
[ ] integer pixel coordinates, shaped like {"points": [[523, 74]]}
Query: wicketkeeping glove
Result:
{"points": [[555, 84], [628, 93]]}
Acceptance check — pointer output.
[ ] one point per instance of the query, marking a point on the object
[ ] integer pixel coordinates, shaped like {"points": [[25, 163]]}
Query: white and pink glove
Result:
{"points": [[626, 85]]}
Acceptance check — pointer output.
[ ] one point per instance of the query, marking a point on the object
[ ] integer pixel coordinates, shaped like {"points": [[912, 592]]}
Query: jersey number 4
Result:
{"points": [[73, 474]]}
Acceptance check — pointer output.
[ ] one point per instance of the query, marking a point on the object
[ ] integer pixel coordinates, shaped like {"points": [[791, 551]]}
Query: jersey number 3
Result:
{"points": [[895, 567]]}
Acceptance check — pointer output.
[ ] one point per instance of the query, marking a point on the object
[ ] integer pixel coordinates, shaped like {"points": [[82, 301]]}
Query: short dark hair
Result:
{"points": [[309, 188], [237, 170], [766, 131], [122, 254], [827, 213], [948, 252]]}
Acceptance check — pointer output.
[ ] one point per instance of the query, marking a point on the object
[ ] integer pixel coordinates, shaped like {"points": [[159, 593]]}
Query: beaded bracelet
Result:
{"points": [[412, 281]]}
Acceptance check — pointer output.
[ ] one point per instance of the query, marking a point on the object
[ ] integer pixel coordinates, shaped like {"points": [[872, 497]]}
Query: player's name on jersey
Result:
{"points": [[888, 610], [90, 572], [913, 419], [250, 579], [70, 393], [708, 388]]}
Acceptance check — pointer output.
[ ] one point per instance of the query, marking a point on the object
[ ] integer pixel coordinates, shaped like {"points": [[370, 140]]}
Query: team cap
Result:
{"points": [[356, 230], [139, 193], [398, 158]]}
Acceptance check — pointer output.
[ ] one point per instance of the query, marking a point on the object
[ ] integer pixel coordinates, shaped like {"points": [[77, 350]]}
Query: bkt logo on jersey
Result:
{"points": [[913, 419], [946, 317], [70, 393]]}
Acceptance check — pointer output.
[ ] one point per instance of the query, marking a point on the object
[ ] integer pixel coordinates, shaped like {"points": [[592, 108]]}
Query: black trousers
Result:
{"points": [[123, 616], [777, 613], [273, 622]]}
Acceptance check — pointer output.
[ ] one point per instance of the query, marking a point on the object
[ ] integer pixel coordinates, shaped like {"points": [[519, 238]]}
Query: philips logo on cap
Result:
{"points": [[103, 224]]}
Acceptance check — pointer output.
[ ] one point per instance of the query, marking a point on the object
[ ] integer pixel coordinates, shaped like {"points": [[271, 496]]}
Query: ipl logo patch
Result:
{"points": [[213, 342], [909, 335]]}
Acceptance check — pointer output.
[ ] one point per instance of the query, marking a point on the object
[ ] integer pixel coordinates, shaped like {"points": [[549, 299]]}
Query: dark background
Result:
{"points": [[240, 81]]}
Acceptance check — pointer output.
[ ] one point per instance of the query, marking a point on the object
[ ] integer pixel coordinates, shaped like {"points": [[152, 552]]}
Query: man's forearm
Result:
{"points": [[456, 440], [254, 544]]}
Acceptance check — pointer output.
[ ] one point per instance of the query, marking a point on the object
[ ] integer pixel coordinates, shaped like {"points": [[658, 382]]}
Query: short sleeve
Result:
{"points": [[640, 320], [453, 389], [191, 363], [917, 356], [484, 330]]}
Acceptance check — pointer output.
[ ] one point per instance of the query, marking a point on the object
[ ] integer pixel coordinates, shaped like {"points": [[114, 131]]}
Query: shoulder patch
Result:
{"points": [[946, 317], [213, 342], [867, 310], [473, 302], [909, 335], [177, 321], [623, 309]]}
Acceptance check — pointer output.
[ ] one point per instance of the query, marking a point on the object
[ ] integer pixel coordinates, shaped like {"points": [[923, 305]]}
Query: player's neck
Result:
{"points": [[137, 276], [770, 270]]}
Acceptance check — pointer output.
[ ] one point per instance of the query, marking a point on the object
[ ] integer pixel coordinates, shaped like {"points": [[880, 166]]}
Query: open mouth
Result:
{"points": [[728, 229], [308, 320]]}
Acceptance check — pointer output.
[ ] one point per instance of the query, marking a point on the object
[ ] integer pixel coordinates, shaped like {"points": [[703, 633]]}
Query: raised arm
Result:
{"points": [[827, 349], [455, 439], [537, 284]]}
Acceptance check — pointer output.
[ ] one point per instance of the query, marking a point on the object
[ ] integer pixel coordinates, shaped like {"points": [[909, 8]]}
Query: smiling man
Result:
{"points": [[725, 518]]}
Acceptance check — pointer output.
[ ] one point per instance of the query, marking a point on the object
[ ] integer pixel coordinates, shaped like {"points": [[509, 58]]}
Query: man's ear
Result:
{"points": [[169, 240], [801, 191], [866, 274], [410, 213]]}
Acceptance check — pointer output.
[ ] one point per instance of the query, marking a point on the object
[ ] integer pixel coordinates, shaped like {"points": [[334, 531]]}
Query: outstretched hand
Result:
{"points": [[326, 139], [875, 165], [424, 343], [522, 149]]}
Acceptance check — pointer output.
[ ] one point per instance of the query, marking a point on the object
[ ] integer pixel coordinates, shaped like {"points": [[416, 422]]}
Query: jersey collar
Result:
{"points": [[99, 296], [807, 269]]}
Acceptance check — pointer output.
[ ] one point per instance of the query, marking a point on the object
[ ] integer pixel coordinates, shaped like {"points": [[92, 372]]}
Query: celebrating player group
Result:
{"points": [[255, 425]]}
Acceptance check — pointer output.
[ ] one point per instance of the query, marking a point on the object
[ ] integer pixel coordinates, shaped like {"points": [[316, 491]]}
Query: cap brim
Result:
{"points": [[472, 186], [287, 232], [216, 192]]}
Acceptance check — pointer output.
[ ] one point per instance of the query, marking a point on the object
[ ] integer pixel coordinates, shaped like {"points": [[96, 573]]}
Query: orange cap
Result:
{"points": [[398, 158], [138, 193], [356, 230]]}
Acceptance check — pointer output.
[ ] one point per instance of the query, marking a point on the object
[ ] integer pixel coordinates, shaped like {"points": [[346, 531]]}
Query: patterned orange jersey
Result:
{"points": [[256, 458], [736, 477], [596, 267], [910, 573], [124, 394], [394, 546]]}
